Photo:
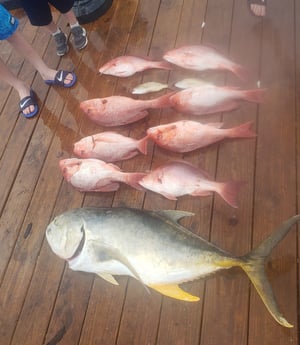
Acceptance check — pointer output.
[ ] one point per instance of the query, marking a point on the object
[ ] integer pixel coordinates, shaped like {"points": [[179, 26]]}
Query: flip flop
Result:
{"points": [[59, 79], [256, 2], [28, 101]]}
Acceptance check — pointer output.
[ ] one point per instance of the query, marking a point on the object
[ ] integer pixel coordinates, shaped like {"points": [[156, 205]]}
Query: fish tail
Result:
{"points": [[239, 71], [255, 95], [242, 131], [253, 264], [133, 179], [162, 101], [229, 191], [164, 65], [142, 146]]}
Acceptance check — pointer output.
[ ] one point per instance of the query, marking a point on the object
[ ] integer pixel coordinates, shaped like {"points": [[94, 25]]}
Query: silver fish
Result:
{"points": [[191, 82], [155, 249], [148, 87]]}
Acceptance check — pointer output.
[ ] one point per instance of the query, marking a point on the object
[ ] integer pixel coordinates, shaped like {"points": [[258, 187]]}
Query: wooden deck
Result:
{"points": [[41, 300]]}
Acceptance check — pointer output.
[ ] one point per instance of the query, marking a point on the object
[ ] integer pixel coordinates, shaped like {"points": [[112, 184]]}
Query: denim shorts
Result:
{"points": [[8, 23]]}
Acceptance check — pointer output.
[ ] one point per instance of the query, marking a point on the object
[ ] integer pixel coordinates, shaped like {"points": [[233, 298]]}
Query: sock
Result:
{"points": [[56, 32], [74, 25]]}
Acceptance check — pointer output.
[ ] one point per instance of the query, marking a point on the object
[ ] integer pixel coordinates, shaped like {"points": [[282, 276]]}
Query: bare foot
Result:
{"points": [[258, 10]]}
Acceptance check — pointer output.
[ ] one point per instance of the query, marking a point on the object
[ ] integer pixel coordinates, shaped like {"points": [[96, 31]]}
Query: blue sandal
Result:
{"points": [[59, 79], [28, 101]]}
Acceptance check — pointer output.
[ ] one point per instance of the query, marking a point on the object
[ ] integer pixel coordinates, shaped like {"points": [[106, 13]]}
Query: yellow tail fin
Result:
{"points": [[253, 264]]}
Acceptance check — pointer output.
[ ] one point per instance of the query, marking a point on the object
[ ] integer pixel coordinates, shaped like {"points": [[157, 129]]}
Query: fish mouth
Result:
{"points": [[80, 246]]}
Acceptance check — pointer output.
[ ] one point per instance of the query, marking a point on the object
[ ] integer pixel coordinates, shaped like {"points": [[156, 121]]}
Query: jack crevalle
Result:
{"points": [[155, 249]]}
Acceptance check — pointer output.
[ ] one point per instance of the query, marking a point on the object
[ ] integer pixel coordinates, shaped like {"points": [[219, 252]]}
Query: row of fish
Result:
{"points": [[180, 136], [193, 57], [172, 179], [199, 100]]}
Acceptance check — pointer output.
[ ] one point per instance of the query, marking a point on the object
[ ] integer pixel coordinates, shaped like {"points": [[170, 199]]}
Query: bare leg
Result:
{"points": [[23, 90], [24, 48], [70, 17]]}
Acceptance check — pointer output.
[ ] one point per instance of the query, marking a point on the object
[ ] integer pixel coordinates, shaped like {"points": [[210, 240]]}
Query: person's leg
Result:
{"points": [[78, 32], [24, 48], [39, 14], [24, 91]]}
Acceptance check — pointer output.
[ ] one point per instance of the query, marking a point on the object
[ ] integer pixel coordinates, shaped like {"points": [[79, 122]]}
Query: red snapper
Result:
{"points": [[177, 178], [209, 99], [94, 175], [121, 110], [110, 147], [186, 136], [200, 58], [125, 66]]}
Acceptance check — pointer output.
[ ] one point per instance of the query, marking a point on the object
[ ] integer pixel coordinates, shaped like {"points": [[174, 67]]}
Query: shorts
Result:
{"points": [[39, 11], [8, 23]]}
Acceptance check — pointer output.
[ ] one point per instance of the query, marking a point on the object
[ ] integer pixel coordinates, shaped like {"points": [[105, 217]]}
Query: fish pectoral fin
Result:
{"points": [[108, 277], [174, 291], [106, 254]]}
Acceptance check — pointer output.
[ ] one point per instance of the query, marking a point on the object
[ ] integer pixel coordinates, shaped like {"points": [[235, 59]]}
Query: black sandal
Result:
{"points": [[27, 102]]}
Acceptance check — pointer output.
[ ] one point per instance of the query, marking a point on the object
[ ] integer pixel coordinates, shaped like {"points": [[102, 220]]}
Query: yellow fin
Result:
{"points": [[108, 277], [175, 291]]}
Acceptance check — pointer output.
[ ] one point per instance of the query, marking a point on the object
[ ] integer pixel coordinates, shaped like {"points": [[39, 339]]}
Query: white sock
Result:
{"points": [[56, 32], [74, 25]]}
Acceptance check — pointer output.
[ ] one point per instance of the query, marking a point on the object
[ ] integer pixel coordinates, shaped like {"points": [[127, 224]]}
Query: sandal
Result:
{"points": [[28, 101], [262, 3], [60, 77]]}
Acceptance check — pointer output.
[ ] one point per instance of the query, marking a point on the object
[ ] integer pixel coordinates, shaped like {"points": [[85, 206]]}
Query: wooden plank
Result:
{"points": [[276, 172], [226, 305]]}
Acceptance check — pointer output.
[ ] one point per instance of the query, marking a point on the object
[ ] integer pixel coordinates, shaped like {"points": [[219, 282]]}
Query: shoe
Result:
{"points": [[60, 77], [61, 43], [28, 101], [80, 39]]}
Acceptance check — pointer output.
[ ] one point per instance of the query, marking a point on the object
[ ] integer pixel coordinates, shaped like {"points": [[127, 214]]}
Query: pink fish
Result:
{"points": [[208, 99], [186, 136], [120, 110], [125, 66], [178, 178], [110, 147], [89, 175], [202, 58]]}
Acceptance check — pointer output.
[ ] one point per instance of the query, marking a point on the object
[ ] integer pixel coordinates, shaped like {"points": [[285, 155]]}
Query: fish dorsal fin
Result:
{"points": [[108, 277], [174, 291], [174, 215]]}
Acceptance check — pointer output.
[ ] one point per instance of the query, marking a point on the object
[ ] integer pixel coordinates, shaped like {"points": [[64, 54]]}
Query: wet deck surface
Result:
{"points": [[44, 302]]}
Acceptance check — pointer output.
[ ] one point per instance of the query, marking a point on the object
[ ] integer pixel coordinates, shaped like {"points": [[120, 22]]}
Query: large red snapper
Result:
{"points": [[110, 147], [200, 58], [89, 175], [208, 99], [121, 110], [177, 178], [186, 136], [125, 66]]}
